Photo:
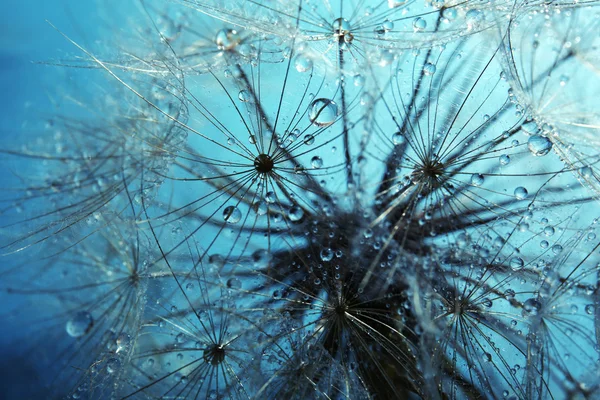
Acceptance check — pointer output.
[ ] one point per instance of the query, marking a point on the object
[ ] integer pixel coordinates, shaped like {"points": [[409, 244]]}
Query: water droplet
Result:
{"points": [[340, 26], [586, 172], [260, 207], [504, 159], [113, 365], [474, 19], [589, 309], [359, 80], [398, 138], [234, 283], [449, 13], [244, 96], [516, 263], [227, 39], [486, 302], [531, 307], [316, 162], [557, 249], [326, 254], [296, 213], [477, 179], [303, 63], [539, 145], [509, 294], [429, 69], [80, 324], [309, 139], [232, 215], [419, 24], [323, 112], [270, 197], [521, 193]]}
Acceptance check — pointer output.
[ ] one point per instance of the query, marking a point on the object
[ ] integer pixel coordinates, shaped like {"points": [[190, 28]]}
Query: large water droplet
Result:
{"points": [[326, 254], [539, 145], [398, 138], [521, 193], [244, 96], [260, 207], [227, 39], [296, 213], [323, 112], [340, 26], [477, 179], [419, 24], [316, 162], [531, 307], [303, 63], [516, 263], [234, 283], [232, 215], [429, 69], [80, 324]]}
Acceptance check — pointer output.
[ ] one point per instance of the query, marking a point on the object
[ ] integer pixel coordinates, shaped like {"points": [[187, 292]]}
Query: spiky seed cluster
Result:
{"points": [[319, 199]]}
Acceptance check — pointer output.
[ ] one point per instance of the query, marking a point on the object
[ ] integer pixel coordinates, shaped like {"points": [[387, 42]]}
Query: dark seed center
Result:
{"points": [[429, 173], [264, 163], [214, 355]]}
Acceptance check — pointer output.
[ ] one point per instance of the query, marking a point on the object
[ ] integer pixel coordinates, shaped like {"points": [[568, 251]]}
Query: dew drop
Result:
{"points": [[296, 213], [586, 172], [589, 309], [474, 19], [398, 138], [232, 215], [531, 307], [429, 69], [516, 263], [419, 24], [539, 145], [303, 63], [113, 365], [504, 159], [340, 26], [323, 112], [521, 193], [477, 179], [316, 162], [260, 207], [227, 39], [80, 324], [326, 254], [234, 283], [244, 96]]}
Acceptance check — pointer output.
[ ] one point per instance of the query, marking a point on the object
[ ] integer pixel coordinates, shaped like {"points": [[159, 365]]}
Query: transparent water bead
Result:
{"points": [[477, 179], [227, 39], [340, 26], [232, 215], [316, 162], [295, 214], [521, 193], [398, 138], [326, 254], [539, 145], [323, 112], [531, 307], [303, 63], [517, 263], [419, 24], [80, 324]]}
